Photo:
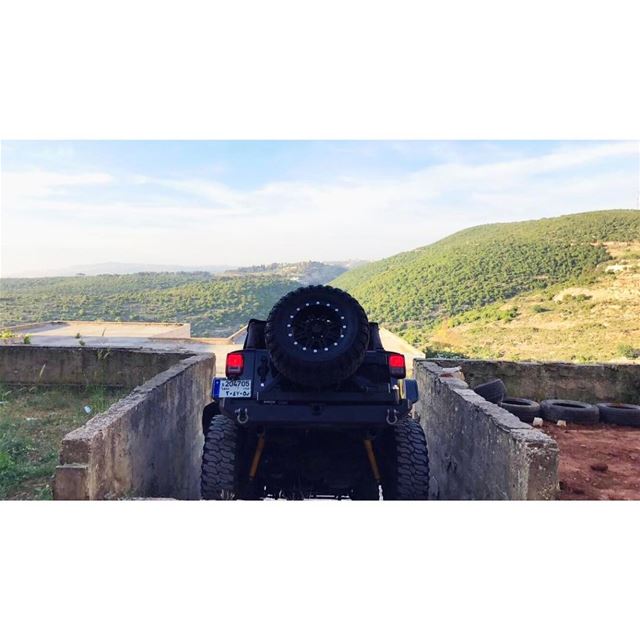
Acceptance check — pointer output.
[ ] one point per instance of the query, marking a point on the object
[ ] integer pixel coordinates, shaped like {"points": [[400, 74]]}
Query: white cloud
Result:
{"points": [[294, 220], [24, 189]]}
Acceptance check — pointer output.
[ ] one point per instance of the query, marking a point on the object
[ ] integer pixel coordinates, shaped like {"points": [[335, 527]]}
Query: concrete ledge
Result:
{"points": [[542, 380], [148, 444], [479, 451], [101, 327], [114, 367]]}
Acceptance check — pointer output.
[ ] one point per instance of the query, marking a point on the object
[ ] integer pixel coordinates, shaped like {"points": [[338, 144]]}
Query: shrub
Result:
{"points": [[442, 351], [627, 351]]}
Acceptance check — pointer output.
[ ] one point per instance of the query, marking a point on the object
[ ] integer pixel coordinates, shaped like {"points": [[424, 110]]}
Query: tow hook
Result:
{"points": [[392, 416], [242, 415]]}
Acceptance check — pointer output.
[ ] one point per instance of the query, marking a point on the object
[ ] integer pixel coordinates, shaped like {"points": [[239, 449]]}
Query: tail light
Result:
{"points": [[397, 368], [235, 364]]}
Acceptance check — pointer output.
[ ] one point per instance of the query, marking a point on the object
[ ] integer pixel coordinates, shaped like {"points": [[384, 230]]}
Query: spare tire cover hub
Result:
{"points": [[317, 329]]}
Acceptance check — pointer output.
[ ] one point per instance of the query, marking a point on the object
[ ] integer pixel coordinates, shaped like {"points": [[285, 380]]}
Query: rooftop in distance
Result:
{"points": [[72, 328]]}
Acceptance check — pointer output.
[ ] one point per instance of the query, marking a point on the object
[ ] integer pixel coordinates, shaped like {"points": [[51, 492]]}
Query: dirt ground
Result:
{"points": [[600, 462]]}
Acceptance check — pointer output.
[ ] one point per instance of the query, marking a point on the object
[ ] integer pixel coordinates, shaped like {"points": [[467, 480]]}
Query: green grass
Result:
{"points": [[33, 421], [628, 351]]}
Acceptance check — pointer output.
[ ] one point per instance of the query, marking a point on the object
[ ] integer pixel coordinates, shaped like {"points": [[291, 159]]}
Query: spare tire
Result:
{"points": [[523, 408], [626, 415], [493, 391], [569, 410], [317, 336]]}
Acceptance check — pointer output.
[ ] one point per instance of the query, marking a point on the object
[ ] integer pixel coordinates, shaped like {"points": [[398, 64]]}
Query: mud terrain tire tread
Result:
{"points": [[411, 461], [219, 478], [322, 373]]}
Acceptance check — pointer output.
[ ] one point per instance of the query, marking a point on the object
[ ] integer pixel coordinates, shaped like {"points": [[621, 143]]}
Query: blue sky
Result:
{"points": [[226, 202]]}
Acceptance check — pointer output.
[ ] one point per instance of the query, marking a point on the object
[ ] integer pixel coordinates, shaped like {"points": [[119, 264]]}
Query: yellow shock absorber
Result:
{"points": [[256, 457], [372, 459]]}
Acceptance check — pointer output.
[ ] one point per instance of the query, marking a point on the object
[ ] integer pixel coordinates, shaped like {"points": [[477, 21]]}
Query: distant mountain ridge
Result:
{"points": [[125, 268], [305, 273], [120, 268]]}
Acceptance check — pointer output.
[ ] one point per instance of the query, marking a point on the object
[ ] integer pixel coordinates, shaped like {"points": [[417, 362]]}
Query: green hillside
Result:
{"points": [[213, 305], [596, 321], [413, 292]]}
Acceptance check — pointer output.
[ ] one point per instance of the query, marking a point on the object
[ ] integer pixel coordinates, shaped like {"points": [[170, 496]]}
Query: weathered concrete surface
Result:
{"points": [[542, 380], [477, 450], [148, 444], [114, 367], [98, 328]]}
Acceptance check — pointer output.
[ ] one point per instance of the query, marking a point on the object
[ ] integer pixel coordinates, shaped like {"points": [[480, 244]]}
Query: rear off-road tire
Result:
{"points": [[406, 463], [219, 479], [317, 336]]}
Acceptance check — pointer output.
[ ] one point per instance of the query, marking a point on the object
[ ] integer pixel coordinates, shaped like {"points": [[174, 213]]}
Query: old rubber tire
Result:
{"points": [[317, 336], [493, 391], [405, 473], [570, 411], [626, 415], [219, 479], [522, 408]]}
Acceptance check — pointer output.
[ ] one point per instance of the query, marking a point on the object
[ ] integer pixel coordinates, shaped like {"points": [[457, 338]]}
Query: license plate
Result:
{"points": [[225, 388]]}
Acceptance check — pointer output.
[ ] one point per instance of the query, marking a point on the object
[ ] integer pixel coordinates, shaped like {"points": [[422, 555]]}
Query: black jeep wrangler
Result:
{"points": [[313, 406]]}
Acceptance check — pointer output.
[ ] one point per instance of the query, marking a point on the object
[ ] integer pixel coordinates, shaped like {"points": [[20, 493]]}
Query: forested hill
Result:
{"points": [[413, 291], [213, 305]]}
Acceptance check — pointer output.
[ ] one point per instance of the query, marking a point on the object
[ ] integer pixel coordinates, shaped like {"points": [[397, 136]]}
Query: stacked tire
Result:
{"points": [[522, 408], [627, 415], [556, 409], [570, 411]]}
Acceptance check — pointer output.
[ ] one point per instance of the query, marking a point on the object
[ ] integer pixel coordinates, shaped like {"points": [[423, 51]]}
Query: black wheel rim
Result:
{"points": [[316, 327]]}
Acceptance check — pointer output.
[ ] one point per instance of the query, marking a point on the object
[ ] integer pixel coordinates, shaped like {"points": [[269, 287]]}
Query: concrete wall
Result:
{"points": [[116, 367], [148, 444], [477, 450], [539, 381]]}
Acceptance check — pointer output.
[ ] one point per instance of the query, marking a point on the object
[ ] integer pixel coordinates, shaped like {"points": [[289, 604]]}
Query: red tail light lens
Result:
{"points": [[397, 368], [235, 364]]}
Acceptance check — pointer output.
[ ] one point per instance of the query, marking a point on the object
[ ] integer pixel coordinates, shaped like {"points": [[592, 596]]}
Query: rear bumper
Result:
{"points": [[249, 412]]}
